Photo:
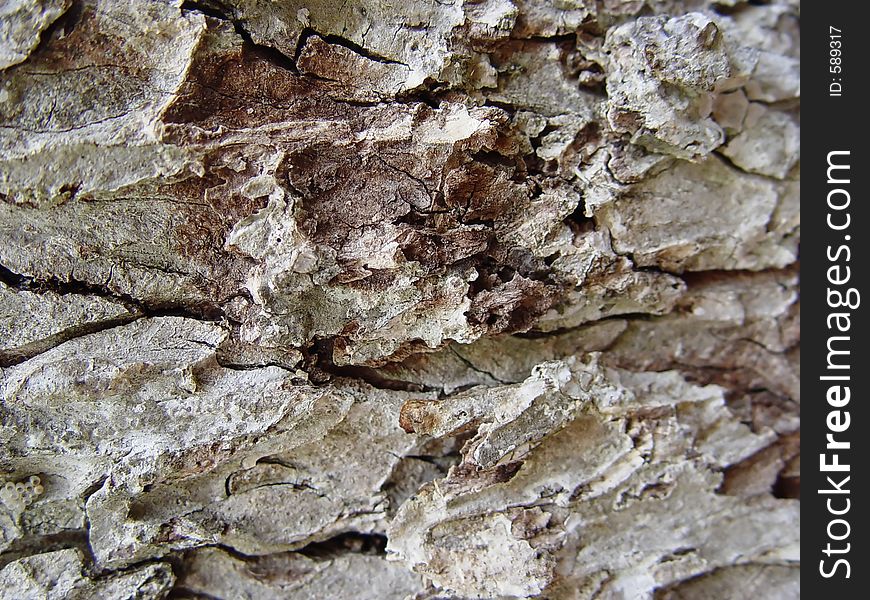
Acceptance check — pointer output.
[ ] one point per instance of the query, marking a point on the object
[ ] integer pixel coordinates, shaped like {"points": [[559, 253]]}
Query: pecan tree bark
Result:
{"points": [[449, 298]]}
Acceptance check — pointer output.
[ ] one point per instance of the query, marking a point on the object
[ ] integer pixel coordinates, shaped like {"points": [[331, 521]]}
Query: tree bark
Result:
{"points": [[368, 299]]}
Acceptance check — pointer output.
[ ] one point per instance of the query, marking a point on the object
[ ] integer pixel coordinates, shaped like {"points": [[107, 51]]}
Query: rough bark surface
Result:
{"points": [[371, 299]]}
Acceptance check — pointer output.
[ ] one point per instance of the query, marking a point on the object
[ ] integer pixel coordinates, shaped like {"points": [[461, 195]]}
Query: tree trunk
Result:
{"points": [[368, 299]]}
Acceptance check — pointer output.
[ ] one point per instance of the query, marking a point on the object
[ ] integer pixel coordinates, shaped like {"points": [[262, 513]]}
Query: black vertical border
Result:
{"points": [[833, 123]]}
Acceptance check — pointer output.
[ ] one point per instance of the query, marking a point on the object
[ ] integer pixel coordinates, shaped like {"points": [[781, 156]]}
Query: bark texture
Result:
{"points": [[373, 299]]}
